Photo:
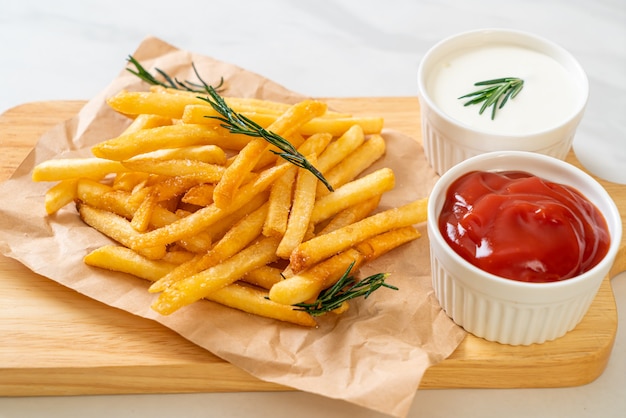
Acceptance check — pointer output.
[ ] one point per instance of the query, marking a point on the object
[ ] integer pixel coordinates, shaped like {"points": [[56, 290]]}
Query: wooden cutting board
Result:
{"points": [[54, 341]]}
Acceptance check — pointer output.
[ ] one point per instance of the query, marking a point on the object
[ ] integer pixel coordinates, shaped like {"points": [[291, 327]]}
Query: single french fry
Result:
{"points": [[238, 104], [307, 284], [125, 147], [71, 168], [338, 126], [209, 173], [125, 260], [118, 229], [349, 168], [381, 244], [60, 195], [247, 158], [202, 284], [340, 149], [146, 121], [301, 209], [211, 154], [249, 104], [351, 215], [142, 102], [256, 301], [204, 217], [356, 191], [323, 246], [264, 277], [280, 199], [236, 239]]}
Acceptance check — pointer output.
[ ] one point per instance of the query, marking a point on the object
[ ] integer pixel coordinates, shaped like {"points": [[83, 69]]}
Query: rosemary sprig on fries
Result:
{"points": [[345, 289], [233, 121]]}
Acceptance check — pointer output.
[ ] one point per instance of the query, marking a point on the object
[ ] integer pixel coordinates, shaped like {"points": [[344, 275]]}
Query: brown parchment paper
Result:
{"points": [[374, 355]]}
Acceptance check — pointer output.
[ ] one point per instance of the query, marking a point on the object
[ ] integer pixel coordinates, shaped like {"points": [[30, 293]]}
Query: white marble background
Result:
{"points": [[71, 49]]}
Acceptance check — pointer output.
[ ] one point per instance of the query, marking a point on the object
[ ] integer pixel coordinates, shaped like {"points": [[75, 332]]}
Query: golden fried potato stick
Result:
{"points": [[146, 121], [72, 168], [264, 277], [132, 103], [249, 104], [236, 239], [118, 229], [238, 104], [340, 149], [211, 154], [201, 285], [60, 195], [125, 260], [179, 135], [280, 199], [356, 191], [351, 215], [301, 209], [209, 173], [204, 217], [307, 284], [247, 158], [256, 301], [349, 168], [338, 126], [321, 247]]}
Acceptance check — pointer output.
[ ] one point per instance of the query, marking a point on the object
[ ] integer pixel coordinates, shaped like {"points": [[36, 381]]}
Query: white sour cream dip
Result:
{"points": [[549, 95]]}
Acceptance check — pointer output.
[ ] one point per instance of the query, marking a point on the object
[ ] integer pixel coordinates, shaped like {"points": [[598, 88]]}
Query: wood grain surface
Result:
{"points": [[54, 341]]}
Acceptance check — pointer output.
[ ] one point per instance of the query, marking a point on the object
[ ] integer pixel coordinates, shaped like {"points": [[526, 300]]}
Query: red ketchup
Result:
{"points": [[522, 227]]}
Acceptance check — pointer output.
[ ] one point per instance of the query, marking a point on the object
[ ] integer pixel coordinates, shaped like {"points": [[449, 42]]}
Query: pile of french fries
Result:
{"points": [[203, 213]]}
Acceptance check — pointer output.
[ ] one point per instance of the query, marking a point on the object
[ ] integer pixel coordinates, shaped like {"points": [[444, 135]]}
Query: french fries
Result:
{"points": [[206, 214]]}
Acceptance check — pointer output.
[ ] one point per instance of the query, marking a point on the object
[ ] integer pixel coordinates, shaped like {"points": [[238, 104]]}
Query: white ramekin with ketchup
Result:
{"points": [[520, 243]]}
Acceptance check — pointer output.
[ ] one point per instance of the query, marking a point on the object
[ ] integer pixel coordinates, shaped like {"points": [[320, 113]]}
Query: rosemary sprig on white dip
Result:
{"points": [[498, 92]]}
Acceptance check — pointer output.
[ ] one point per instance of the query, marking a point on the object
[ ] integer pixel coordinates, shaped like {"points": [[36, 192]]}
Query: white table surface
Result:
{"points": [[71, 49]]}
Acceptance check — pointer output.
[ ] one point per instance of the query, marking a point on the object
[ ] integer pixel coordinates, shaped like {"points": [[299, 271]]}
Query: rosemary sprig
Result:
{"points": [[240, 124], [231, 120], [172, 83], [500, 90], [345, 289]]}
